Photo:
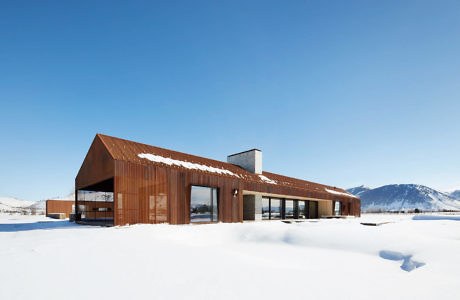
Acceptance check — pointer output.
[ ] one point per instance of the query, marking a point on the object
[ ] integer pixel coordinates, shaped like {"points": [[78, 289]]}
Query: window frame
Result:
{"points": [[217, 205]]}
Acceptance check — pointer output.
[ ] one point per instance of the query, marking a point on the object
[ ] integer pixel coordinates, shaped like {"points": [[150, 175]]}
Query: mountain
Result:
{"points": [[39, 205], [11, 204], [455, 195], [397, 197], [70, 196], [357, 191]]}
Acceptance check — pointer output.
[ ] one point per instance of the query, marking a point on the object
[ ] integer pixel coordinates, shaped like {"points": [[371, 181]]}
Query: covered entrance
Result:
{"points": [[94, 204]]}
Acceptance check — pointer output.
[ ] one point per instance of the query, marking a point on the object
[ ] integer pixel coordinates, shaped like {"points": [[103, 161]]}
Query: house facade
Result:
{"points": [[123, 182]]}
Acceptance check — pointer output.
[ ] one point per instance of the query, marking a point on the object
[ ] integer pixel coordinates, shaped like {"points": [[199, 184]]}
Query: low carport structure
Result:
{"points": [[59, 208]]}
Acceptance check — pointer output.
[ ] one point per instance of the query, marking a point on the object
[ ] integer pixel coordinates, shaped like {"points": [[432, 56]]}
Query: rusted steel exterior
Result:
{"points": [[59, 206], [154, 192]]}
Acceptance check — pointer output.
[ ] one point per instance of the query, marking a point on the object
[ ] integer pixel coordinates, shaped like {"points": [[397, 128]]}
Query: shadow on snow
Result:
{"points": [[407, 265], [425, 217], [44, 225]]}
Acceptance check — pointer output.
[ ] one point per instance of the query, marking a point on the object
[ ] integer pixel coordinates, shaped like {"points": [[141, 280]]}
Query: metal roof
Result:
{"points": [[125, 150]]}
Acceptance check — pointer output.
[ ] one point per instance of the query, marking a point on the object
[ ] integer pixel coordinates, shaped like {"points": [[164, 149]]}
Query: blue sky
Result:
{"points": [[343, 93]]}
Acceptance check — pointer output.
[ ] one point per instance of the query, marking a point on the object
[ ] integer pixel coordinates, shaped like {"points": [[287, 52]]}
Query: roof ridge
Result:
{"points": [[101, 136], [177, 155], [174, 151]]}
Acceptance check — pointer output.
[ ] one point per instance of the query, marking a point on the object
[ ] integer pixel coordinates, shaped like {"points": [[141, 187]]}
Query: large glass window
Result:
{"points": [[301, 210], [271, 209], [203, 204], [275, 209], [265, 208], [289, 209], [338, 208]]}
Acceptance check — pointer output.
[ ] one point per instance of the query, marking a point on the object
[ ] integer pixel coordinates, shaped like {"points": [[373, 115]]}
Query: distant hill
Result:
{"points": [[7, 203], [357, 191], [15, 205], [455, 195], [398, 197]]}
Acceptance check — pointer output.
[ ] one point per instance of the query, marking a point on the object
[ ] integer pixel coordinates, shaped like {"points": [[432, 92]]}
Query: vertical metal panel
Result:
{"points": [[152, 194], [59, 206]]}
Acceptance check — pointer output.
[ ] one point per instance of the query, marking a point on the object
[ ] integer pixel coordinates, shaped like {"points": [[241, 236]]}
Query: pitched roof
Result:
{"points": [[125, 150]]}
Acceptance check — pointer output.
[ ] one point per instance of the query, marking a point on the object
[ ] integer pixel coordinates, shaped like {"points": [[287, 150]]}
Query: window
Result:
{"points": [[265, 208], [289, 209], [203, 204], [271, 209], [301, 210], [337, 208], [275, 209]]}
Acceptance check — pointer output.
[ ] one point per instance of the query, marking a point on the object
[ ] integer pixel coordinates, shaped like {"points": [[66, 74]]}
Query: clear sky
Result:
{"points": [[338, 92]]}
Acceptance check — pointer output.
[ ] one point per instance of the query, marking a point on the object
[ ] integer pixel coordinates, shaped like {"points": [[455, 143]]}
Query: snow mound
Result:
{"points": [[209, 261]]}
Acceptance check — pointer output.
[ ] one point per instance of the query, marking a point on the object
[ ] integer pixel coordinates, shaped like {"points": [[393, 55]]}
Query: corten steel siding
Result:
{"points": [[97, 166], [136, 184], [59, 206], [138, 188], [151, 192]]}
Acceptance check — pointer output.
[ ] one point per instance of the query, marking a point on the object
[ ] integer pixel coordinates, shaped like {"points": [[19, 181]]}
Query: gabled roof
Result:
{"points": [[125, 150]]}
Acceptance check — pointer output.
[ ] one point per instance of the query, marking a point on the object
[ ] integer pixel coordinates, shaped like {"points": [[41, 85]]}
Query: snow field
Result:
{"points": [[323, 259]]}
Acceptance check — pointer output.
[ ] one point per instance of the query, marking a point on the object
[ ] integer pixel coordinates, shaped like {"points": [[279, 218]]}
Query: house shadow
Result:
{"points": [[437, 217], [41, 225]]}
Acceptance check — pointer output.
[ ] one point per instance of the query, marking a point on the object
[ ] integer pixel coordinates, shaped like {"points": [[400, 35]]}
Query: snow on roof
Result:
{"points": [[339, 193], [266, 179], [185, 164]]}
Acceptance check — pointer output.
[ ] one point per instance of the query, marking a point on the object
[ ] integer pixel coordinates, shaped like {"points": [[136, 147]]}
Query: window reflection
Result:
{"points": [[265, 209], [275, 209], [95, 207], [338, 208], [289, 209], [203, 204]]}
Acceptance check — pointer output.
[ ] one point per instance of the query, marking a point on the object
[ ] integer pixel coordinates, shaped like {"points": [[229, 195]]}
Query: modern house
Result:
{"points": [[123, 182]]}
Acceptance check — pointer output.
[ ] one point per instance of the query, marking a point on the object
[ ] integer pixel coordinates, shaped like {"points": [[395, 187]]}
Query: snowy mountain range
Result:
{"points": [[394, 197], [15, 205], [455, 195], [404, 197]]}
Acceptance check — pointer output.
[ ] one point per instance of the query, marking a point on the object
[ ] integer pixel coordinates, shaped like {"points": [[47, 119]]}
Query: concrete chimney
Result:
{"points": [[250, 160]]}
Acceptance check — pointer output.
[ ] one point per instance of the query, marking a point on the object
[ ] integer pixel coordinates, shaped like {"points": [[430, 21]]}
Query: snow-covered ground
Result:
{"points": [[42, 258]]}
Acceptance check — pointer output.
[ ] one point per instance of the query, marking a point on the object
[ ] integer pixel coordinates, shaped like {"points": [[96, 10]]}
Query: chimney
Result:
{"points": [[250, 160]]}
